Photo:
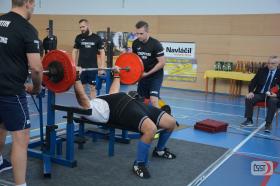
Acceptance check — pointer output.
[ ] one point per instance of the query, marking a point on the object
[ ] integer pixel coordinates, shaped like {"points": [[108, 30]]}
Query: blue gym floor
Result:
{"points": [[188, 107]]}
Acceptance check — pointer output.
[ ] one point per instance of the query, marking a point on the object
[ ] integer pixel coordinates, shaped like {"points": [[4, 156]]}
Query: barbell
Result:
{"points": [[59, 70]]}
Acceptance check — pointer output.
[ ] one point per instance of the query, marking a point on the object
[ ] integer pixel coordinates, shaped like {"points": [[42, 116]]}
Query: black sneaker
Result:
{"points": [[6, 165], [165, 153], [267, 128], [247, 123], [141, 170]]}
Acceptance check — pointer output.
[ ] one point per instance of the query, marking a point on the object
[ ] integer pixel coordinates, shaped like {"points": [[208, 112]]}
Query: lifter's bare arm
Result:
{"points": [[115, 86], [81, 95]]}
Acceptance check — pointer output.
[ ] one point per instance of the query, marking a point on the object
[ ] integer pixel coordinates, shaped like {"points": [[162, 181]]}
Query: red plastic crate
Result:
{"points": [[210, 125]]}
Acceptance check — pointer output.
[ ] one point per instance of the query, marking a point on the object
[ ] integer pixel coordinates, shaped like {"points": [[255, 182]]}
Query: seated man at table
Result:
{"points": [[263, 81], [121, 109]]}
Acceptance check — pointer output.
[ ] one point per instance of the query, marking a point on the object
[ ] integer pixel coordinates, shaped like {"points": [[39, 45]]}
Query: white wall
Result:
{"points": [[152, 7]]}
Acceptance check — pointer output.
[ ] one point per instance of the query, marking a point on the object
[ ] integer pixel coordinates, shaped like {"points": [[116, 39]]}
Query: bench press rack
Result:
{"points": [[50, 148], [111, 134]]}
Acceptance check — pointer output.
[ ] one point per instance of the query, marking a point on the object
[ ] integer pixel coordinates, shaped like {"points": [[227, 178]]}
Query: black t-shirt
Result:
{"points": [[89, 47], [17, 38], [149, 52], [50, 43]]}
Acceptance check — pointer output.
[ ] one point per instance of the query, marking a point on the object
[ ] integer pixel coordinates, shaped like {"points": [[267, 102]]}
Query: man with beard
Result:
{"points": [[19, 49], [88, 46], [151, 52]]}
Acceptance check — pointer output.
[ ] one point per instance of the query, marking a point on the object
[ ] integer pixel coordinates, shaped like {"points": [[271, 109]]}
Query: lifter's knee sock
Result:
{"points": [[163, 138], [142, 152]]}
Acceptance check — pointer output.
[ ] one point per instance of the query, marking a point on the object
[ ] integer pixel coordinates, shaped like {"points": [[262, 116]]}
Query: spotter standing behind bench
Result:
{"points": [[120, 109]]}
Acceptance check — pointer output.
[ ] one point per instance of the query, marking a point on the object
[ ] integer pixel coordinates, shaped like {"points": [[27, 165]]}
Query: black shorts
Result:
{"points": [[129, 113], [150, 87], [14, 112]]}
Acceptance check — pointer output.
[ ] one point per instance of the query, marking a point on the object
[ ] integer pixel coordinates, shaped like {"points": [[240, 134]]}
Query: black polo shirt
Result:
{"points": [[50, 43], [88, 47], [149, 52], [17, 37]]}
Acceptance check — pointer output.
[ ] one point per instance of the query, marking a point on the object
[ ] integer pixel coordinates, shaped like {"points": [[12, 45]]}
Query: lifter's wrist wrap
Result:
{"points": [[78, 76], [116, 75]]}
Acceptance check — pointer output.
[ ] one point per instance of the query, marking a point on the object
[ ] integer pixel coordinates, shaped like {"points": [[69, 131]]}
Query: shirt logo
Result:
{"points": [[37, 43], [4, 23], [3, 40], [144, 55], [88, 44]]}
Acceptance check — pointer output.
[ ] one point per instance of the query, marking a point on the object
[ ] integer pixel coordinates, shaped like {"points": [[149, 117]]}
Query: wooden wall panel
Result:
{"points": [[247, 25], [270, 25], [255, 45], [194, 24], [217, 37]]}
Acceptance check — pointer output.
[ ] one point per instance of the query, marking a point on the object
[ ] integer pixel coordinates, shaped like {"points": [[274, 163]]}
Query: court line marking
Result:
{"points": [[36, 114], [70, 92], [252, 154], [226, 114], [176, 98], [36, 131], [189, 99], [6, 183], [220, 161], [258, 135], [204, 101], [212, 112]]}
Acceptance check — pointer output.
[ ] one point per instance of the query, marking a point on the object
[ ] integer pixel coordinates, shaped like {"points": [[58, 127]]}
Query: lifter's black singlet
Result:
{"points": [[117, 102]]}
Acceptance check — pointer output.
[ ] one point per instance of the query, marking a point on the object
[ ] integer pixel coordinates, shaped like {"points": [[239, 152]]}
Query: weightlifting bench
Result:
{"points": [[80, 134], [111, 132]]}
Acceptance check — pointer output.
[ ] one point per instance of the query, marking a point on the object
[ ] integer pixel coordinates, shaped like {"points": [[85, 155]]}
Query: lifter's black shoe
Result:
{"points": [[247, 123], [141, 170], [165, 153], [267, 128]]}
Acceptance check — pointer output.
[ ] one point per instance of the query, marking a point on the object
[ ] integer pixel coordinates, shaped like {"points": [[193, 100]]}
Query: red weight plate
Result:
{"points": [[136, 68], [69, 70]]}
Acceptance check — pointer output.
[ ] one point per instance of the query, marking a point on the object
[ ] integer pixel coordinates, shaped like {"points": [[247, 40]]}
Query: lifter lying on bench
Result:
{"points": [[121, 109]]}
